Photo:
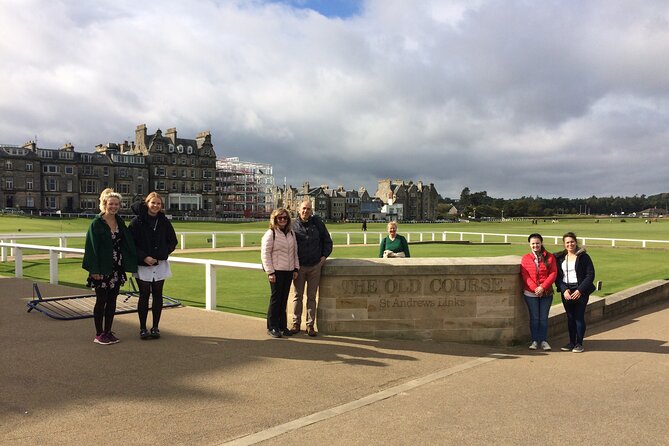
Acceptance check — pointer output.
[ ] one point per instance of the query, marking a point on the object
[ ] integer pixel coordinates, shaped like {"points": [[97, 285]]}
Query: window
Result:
{"points": [[50, 184], [88, 187], [105, 171], [87, 170], [9, 183], [69, 170], [189, 150], [30, 202], [159, 171], [29, 167], [50, 168], [86, 158], [180, 148], [68, 185], [123, 188], [170, 148], [140, 189], [51, 202], [192, 173], [159, 185], [45, 154], [66, 155], [29, 184], [183, 173], [8, 165], [123, 173], [174, 173]]}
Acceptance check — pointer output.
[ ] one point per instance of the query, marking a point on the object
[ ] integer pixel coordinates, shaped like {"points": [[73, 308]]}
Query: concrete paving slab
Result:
{"points": [[215, 378]]}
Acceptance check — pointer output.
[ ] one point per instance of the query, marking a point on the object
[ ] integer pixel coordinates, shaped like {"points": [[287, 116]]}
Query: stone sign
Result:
{"points": [[454, 299]]}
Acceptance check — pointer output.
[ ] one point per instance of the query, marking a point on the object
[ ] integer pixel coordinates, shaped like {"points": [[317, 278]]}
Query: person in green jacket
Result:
{"points": [[394, 245], [109, 253]]}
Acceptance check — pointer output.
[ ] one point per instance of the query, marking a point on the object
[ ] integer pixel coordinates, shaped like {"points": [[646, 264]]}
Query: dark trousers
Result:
{"points": [[147, 289], [575, 310], [538, 307], [104, 309], [276, 313]]}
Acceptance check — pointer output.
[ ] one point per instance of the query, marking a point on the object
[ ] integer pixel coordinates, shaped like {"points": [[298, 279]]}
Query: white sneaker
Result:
{"points": [[534, 345], [545, 346]]}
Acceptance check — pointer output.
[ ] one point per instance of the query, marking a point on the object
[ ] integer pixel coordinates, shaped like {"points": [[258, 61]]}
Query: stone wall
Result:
{"points": [[448, 299]]}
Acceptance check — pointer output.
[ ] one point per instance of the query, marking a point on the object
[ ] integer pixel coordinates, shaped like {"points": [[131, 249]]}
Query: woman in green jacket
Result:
{"points": [[394, 245], [109, 253]]}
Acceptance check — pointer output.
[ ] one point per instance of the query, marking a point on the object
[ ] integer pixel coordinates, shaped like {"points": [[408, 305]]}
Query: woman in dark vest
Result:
{"points": [[155, 240], [575, 280]]}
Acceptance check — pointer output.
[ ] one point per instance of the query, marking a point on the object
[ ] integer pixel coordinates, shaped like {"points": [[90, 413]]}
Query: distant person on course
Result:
{"points": [[278, 254], [575, 280], [394, 245], [155, 240], [538, 271], [314, 245], [109, 253]]}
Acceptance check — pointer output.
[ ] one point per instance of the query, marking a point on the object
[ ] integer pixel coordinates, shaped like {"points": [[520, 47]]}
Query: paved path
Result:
{"points": [[216, 378]]}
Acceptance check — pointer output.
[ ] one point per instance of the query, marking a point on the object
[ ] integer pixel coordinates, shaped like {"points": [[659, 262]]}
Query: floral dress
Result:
{"points": [[117, 277]]}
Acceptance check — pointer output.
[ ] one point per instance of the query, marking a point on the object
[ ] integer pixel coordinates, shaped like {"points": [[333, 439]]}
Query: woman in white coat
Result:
{"points": [[280, 262]]}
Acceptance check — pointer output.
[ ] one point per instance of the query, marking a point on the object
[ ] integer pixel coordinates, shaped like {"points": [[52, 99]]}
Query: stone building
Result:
{"points": [[419, 201], [183, 170]]}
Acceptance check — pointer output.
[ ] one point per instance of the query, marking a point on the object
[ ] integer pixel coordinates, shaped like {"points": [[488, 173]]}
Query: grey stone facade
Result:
{"points": [[35, 179]]}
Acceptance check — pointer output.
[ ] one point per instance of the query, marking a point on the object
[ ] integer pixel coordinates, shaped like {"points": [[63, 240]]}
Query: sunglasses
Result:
{"points": [[283, 217]]}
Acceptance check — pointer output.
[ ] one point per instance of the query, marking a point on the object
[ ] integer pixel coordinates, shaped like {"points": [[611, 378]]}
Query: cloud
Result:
{"points": [[516, 98]]}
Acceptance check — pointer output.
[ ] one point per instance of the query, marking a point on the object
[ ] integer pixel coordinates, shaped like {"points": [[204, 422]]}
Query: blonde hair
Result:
{"points": [[153, 195], [105, 195], [275, 213], [391, 223]]}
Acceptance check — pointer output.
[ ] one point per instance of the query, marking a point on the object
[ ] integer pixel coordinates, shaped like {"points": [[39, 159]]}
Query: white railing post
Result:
{"points": [[482, 238], [241, 240], [433, 236], [213, 240], [613, 243], [408, 237], [11, 250], [210, 286], [556, 241], [421, 236], [583, 241], [182, 239], [364, 238], [3, 252], [506, 238], [380, 238], [462, 236], [53, 267], [443, 236], [18, 262], [62, 242], [643, 243], [348, 238]]}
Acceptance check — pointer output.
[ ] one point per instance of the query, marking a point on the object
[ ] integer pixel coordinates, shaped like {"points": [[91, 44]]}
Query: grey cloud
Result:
{"points": [[517, 98]]}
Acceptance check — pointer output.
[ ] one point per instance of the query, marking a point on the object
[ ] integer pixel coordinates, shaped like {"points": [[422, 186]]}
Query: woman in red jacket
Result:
{"points": [[538, 270]]}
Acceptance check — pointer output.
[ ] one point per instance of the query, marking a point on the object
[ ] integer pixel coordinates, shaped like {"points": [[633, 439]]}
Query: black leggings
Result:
{"points": [[155, 289], [105, 308]]}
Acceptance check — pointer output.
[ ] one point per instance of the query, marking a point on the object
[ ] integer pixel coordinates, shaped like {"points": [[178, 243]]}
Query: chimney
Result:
{"points": [[140, 136], [172, 134]]}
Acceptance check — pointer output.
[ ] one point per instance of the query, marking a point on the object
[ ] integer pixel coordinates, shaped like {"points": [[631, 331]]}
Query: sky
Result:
{"points": [[543, 98]]}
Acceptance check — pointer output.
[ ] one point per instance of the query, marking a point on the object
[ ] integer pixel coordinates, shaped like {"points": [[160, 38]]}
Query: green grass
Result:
{"points": [[247, 291]]}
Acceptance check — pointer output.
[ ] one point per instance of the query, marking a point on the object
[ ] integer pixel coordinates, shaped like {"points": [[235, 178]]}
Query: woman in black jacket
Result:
{"points": [[575, 280], [155, 240]]}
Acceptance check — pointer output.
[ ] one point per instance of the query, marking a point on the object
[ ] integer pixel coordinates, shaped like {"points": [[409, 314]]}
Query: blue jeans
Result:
{"points": [[538, 308], [575, 310]]}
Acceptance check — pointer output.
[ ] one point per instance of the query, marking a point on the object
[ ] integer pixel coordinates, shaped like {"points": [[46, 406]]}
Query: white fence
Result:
{"points": [[252, 238], [54, 252]]}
